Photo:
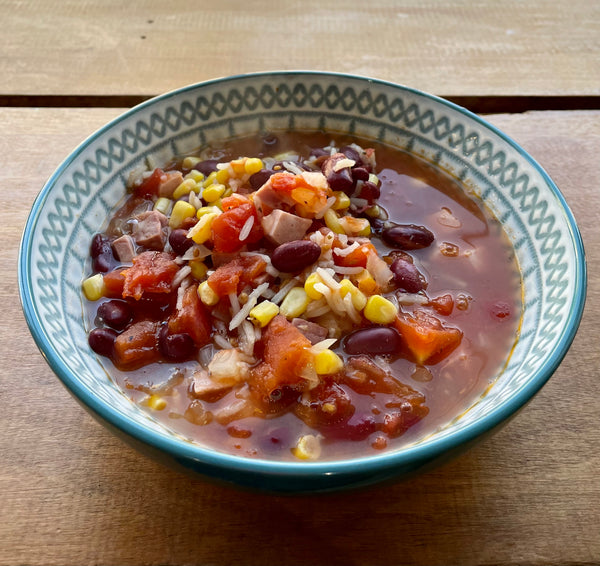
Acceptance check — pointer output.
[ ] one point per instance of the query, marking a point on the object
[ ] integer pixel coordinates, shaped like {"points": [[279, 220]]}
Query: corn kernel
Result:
{"points": [[207, 295], [222, 176], [212, 177], [185, 188], [294, 303], [238, 166], [327, 362], [373, 179], [373, 211], [163, 205], [263, 313], [253, 165], [228, 192], [198, 268], [342, 200], [201, 232], [93, 287], [309, 286], [308, 447], [190, 161], [207, 210], [359, 300], [195, 175], [213, 193], [181, 211], [156, 403], [379, 310], [332, 221], [366, 283]]}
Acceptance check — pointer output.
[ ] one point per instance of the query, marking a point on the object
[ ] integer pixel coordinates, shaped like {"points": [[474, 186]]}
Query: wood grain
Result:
{"points": [[452, 48], [73, 494]]}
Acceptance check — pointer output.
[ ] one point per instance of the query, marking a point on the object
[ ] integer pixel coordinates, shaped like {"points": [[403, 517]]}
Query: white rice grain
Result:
{"points": [[246, 228]]}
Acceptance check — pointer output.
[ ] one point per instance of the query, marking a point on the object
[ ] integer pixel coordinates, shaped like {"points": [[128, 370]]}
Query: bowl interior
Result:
{"points": [[75, 202]]}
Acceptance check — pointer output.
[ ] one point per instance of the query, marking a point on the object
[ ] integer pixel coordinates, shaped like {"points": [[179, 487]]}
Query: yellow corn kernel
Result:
{"points": [[355, 226], [185, 188], [201, 232], [163, 205], [366, 283], [156, 403], [213, 193], [359, 300], [342, 200], [181, 211], [212, 177], [373, 211], [309, 286], [253, 165], [222, 176], [308, 447], [294, 303], [190, 161], [373, 179], [207, 210], [263, 313], [195, 175], [207, 295], [327, 362], [228, 192], [198, 268], [379, 310], [238, 166], [93, 287], [332, 221]]}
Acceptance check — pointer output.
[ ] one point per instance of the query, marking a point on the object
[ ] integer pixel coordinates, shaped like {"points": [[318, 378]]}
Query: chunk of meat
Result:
{"points": [[311, 330], [280, 227], [169, 181], [151, 272], [267, 199], [149, 231], [124, 248]]}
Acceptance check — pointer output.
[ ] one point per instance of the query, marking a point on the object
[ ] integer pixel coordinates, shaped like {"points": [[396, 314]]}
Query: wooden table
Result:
{"points": [[74, 494]]}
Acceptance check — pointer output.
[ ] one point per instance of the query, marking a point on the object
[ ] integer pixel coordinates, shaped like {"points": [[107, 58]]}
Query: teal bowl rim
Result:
{"points": [[181, 449]]}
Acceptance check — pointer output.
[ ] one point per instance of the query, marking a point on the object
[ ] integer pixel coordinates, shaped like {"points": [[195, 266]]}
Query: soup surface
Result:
{"points": [[298, 296]]}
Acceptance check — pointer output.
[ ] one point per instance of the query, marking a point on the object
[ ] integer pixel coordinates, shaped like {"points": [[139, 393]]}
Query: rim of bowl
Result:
{"points": [[178, 448]]}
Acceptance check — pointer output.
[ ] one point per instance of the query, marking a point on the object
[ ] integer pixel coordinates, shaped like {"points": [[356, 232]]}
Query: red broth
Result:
{"points": [[465, 281]]}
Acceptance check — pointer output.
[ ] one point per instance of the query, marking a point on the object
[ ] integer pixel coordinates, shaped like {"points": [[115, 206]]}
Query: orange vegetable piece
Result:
{"points": [[238, 272], [233, 201], [137, 346], [150, 185], [356, 258], [427, 339], [226, 227], [192, 318], [113, 283], [152, 272], [308, 199]]}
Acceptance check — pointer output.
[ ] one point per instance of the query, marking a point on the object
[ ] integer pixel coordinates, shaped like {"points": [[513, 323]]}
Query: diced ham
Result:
{"points": [[169, 182], [311, 330], [267, 199], [124, 248], [149, 230], [281, 227]]}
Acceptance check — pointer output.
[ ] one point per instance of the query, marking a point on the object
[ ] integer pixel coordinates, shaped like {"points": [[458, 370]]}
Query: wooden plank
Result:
{"points": [[456, 48], [73, 494]]}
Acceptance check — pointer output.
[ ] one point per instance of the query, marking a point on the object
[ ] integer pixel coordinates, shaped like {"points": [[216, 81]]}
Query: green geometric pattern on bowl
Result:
{"points": [[90, 183]]}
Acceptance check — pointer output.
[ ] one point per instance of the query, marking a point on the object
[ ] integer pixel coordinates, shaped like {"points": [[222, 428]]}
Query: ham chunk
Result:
{"points": [[311, 330], [281, 227], [169, 182], [124, 248], [267, 199], [149, 231]]}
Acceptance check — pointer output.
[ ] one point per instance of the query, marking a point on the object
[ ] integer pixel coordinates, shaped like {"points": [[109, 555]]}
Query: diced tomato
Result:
{"points": [[427, 339], [233, 201], [286, 355], [356, 258], [325, 405], [500, 310], [137, 346], [239, 272], [226, 227], [152, 272], [192, 318], [284, 182], [444, 304], [113, 283], [149, 186]]}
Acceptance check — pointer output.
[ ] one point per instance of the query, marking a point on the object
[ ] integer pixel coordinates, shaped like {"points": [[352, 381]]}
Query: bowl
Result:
{"points": [[76, 200]]}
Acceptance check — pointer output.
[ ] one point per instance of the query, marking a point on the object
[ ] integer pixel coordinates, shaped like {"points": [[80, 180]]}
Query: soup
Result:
{"points": [[295, 296]]}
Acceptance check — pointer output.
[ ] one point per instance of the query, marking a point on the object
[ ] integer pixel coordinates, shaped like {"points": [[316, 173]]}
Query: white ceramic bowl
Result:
{"points": [[75, 202]]}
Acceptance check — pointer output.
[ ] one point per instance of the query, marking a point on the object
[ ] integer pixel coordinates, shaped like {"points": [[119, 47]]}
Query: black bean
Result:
{"points": [[179, 241], [295, 256], [102, 341], [374, 341], [351, 153], [206, 167], [407, 276], [176, 347], [338, 180], [102, 255], [370, 192], [407, 236], [258, 179], [115, 313], [360, 174]]}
